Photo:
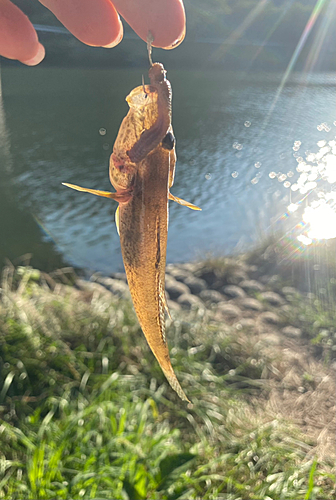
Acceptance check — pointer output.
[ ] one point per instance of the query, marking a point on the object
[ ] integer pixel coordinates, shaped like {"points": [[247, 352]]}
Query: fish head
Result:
{"points": [[157, 73]]}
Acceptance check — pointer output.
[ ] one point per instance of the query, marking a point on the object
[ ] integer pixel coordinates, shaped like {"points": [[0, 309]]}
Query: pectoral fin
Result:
{"points": [[183, 202], [122, 196]]}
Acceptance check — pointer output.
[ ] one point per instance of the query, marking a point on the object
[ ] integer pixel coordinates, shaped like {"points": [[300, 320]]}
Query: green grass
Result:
{"points": [[86, 412], [124, 447]]}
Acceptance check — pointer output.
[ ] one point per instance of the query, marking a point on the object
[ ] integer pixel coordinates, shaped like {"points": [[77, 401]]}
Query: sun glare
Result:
{"points": [[312, 190], [321, 218], [317, 174]]}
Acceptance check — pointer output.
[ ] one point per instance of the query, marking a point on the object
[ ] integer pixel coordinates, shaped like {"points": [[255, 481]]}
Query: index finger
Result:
{"points": [[94, 22], [18, 38], [165, 19]]}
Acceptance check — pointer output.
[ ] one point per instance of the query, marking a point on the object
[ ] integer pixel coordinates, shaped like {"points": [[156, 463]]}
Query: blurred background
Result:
{"points": [[253, 114]]}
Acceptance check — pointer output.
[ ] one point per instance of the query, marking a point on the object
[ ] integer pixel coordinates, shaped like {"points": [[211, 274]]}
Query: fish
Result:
{"points": [[142, 170]]}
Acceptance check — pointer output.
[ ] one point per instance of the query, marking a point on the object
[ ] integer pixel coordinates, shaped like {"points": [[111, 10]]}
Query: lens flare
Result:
{"points": [[321, 219], [312, 195]]}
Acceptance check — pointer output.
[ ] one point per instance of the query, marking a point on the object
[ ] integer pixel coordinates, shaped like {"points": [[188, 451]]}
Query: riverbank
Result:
{"points": [[86, 409]]}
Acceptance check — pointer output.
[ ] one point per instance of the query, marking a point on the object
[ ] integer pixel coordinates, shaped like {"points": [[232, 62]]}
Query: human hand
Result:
{"points": [[94, 22]]}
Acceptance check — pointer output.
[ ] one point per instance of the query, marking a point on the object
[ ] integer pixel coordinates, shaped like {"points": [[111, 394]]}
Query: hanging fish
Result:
{"points": [[142, 168]]}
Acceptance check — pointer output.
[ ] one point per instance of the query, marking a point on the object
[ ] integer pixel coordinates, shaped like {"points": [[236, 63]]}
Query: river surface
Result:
{"points": [[244, 141]]}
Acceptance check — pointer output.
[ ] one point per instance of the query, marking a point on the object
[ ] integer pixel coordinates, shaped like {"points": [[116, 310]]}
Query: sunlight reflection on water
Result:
{"points": [[316, 183]]}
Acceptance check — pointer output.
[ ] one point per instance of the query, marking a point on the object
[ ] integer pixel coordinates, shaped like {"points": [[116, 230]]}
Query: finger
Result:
{"points": [[18, 39], [94, 22], [165, 19]]}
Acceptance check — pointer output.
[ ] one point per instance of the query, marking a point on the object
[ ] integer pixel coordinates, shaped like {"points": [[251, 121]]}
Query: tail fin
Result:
{"points": [[174, 383]]}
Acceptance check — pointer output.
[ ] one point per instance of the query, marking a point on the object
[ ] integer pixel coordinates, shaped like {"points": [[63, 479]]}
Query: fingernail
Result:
{"points": [[117, 40], [177, 42], [39, 56]]}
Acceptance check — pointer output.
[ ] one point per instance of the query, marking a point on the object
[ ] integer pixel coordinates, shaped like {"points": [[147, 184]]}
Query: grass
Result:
{"points": [[87, 414], [311, 270], [317, 323]]}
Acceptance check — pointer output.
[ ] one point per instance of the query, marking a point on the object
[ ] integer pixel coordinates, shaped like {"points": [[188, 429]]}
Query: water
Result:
{"points": [[234, 145]]}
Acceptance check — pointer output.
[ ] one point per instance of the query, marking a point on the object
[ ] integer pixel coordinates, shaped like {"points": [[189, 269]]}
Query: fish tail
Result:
{"points": [[174, 383]]}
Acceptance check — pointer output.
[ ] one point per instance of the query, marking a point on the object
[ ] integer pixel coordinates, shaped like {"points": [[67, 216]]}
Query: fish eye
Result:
{"points": [[168, 142]]}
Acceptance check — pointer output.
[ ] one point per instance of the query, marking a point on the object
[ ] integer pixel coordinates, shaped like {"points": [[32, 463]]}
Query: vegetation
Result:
{"points": [[86, 413], [310, 272]]}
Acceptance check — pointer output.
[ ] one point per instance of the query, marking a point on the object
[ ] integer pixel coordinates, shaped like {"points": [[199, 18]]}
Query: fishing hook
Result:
{"points": [[150, 40]]}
